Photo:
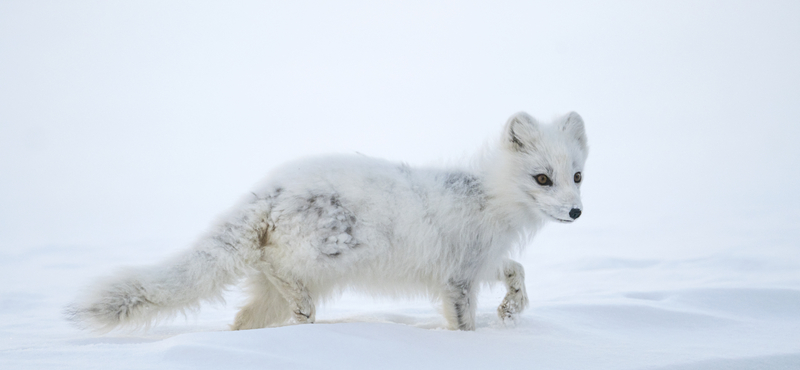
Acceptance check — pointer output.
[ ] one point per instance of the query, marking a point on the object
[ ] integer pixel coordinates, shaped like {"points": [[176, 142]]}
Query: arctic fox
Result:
{"points": [[318, 226]]}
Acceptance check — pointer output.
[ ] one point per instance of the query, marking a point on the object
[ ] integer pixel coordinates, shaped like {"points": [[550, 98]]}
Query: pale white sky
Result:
{"points": [[134, 122]]}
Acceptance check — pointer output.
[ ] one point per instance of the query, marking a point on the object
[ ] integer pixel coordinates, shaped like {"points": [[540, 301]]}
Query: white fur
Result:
{"points": [[318, 226]]}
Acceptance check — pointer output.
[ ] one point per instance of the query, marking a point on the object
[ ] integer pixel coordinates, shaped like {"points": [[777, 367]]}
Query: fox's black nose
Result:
{"points": [[575, 213]]}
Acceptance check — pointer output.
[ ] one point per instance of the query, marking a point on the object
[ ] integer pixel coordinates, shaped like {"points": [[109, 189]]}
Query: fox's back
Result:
{"points": [[336, 213]]}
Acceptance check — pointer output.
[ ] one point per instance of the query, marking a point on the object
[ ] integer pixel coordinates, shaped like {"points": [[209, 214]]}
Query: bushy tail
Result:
{"points": [[139, 296]]}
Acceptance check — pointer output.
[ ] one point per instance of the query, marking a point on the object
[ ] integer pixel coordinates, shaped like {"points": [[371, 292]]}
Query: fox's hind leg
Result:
{"points": [[266, 306], [459, 301], [296, 294], [513, 274]]}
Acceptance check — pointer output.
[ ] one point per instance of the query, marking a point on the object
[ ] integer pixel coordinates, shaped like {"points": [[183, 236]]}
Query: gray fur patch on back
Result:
{"points": [[405, 169], [463, 183], [332, 223]]}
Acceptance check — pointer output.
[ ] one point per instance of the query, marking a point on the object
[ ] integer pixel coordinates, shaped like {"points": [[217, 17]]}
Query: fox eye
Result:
{"points": [[543, 180], [578, 177]]}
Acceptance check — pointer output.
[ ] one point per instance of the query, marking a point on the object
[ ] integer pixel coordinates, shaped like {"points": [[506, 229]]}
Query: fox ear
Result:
{"points": [[521, 132], [572, 123]]}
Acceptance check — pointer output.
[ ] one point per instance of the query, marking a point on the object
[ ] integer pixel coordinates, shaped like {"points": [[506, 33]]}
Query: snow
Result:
{"points": [[125, 128], [735, 309]]}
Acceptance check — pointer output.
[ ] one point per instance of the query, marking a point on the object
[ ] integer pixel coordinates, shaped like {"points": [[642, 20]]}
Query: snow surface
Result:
{"points": [[125, 128]]}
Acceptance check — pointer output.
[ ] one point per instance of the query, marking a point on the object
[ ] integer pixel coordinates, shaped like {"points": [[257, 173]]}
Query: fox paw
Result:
{"points": [[511, 307], [508, 312], [304, 315]]}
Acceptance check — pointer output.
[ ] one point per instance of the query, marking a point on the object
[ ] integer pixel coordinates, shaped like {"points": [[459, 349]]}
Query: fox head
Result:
{"points": [[545, 163]]}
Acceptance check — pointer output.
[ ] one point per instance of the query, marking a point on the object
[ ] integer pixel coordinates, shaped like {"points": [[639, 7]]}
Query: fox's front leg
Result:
{"points": [[516, 298], [459, 304]]}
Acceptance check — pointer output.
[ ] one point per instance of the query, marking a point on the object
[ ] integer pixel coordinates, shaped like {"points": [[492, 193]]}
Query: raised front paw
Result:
{"points": [[513, 304]]}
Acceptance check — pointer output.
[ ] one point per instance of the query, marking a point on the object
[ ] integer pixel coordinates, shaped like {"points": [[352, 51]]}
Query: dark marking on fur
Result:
{"points": [[467, 185], [461, 301], [312, 204], [404, 168], [223, 240], [300, 313], [460, 315], [517, 143], [206, 256], [463, 183], [318, 203], [275, 193], [263, 237], [230, 246], [460, 286], [335, 200], [330, 222]]}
